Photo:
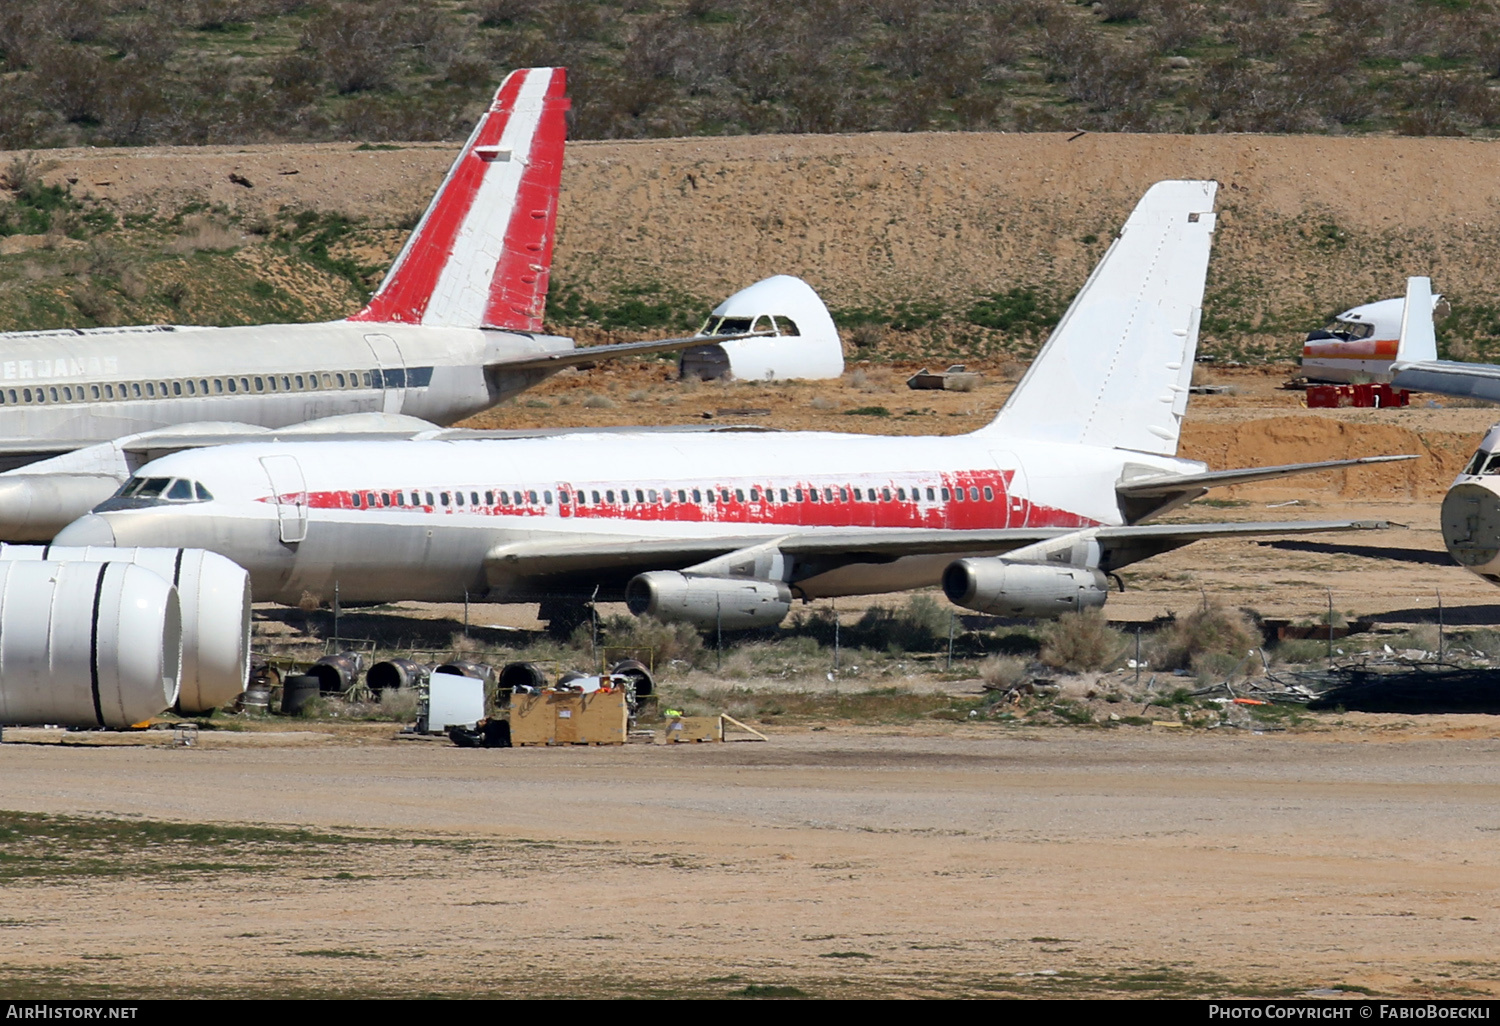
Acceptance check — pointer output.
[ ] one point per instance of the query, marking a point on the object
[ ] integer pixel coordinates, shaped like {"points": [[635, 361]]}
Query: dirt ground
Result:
{"points": [[944, 860]]}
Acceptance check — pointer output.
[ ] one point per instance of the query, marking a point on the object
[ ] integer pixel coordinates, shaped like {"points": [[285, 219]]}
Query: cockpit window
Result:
{"points": [[1343, 331], [146, 490], [732, 326], [146, 487], [1477, 463]]}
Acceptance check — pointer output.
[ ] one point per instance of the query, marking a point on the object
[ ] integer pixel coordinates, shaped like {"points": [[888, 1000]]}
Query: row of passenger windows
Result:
{"points": [[173, 389], [699, 496]]}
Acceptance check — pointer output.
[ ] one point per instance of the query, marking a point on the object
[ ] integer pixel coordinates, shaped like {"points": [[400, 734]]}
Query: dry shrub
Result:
{"points": [[823, 403], [1211, 630], [205, 236], [1082, 641], [399, 704], [651, 641], [867, 336], [94, 303], [919, 626], [599, 402], [1001, 673]]}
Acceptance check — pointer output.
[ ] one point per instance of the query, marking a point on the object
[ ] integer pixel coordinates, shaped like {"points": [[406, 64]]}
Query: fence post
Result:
{"points": [[1440, 626], [1330, 625], [835, 604]]}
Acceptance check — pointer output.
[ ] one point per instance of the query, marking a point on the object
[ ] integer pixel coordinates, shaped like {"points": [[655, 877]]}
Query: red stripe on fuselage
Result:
{"points": [[915, 511], [518, 291], [404, 298]]}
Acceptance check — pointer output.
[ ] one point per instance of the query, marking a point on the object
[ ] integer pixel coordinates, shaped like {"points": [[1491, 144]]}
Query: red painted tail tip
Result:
{"points": [[473, 263]]}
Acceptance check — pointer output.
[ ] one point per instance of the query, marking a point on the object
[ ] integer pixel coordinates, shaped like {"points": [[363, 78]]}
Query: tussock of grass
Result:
{"points": [[1082, 641]]}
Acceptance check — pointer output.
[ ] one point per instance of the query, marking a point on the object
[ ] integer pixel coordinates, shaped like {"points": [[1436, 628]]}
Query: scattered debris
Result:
{"points": [[955, 379]]}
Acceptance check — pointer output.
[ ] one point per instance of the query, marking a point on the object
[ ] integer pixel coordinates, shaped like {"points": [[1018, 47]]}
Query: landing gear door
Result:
{"points": [[1014, 488], [290, 491], [391, 369]]}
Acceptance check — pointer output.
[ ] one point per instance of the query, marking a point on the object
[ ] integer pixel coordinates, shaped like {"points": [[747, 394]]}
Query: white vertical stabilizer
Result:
{"points": [[1418, 337], [1116, 370]]}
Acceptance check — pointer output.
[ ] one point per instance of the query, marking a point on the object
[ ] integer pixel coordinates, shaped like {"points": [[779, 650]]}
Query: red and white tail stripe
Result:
{"points": [[482, 254]]}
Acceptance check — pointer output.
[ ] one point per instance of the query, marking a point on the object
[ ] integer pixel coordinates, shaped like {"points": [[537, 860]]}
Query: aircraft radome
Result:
{"points": [[455, 328], [1030, 515]]}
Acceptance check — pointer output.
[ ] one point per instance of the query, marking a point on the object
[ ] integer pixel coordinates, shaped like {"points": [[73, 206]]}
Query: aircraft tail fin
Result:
{"points": [[1418, 336], [482, 253], [1117, 368]]}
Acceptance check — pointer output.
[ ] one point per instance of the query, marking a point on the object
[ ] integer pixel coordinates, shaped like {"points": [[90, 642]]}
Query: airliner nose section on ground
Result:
{"points": [[87, 530]]}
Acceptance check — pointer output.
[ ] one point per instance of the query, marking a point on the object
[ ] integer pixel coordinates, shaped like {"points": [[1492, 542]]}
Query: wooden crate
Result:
{"points": [[531, 720], [601, 719], [678, 729], [568, 718]]}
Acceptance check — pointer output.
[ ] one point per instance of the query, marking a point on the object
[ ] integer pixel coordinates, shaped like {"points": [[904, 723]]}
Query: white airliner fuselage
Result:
{"points": [[61, 390], [432, 520]]}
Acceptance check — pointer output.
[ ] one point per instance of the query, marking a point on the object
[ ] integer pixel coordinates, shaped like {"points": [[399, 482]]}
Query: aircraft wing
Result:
{"points": [[1449, 377], [1417, 368], [593, 354], [19, 452], [819, 551]]}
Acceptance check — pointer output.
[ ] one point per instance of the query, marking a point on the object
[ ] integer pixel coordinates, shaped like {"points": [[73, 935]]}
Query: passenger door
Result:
{"points": [[392, 369], [1016, 492], [290, 490]]}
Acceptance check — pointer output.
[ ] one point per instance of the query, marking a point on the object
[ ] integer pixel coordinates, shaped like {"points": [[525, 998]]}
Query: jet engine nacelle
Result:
{"points": [[86, 644], [34, 507], [214, 595], [736, 603], [998, 586]]}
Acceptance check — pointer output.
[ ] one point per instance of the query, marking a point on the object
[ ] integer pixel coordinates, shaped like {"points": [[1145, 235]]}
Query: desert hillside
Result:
{"points": [[904, 234]]}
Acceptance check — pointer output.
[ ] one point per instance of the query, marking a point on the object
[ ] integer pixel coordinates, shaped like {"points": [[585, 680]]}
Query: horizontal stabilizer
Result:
{"points": [[593, 354], [1174, 483], [1145, 497]]}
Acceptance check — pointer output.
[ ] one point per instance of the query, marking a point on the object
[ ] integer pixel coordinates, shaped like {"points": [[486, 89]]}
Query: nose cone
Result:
{"points": [[87, 530]]}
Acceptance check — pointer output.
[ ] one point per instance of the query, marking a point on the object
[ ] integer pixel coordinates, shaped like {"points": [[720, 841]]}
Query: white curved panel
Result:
{"points": [[86, 644], [214, 597]]}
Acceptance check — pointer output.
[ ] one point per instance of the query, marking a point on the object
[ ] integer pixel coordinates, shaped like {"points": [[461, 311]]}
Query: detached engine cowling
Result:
{"points": [[735, 603], [214, 593], [992, 585], [86, 644]]}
